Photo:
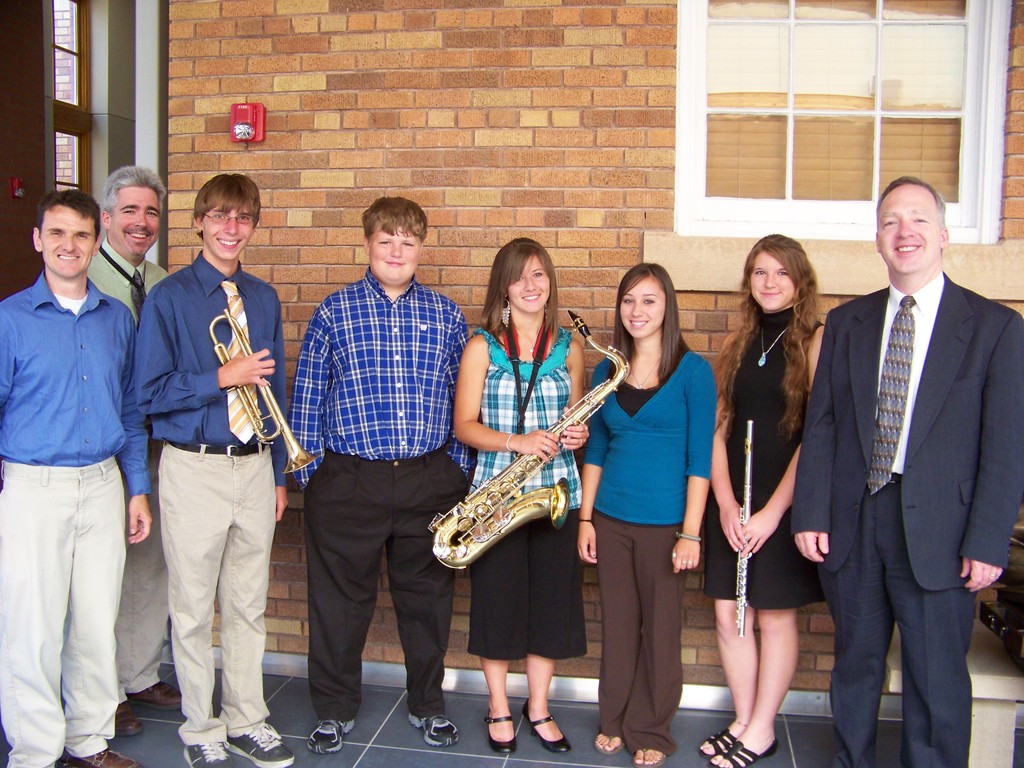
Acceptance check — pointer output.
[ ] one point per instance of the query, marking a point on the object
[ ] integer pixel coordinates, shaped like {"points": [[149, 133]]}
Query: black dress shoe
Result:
{"points": [[558, 745], [501, 747]]}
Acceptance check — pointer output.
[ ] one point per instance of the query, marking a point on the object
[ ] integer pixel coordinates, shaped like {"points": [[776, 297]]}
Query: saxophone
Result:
{"points": [[499, 506]]}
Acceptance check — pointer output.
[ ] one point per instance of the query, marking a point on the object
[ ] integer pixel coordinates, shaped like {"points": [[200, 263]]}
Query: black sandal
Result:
{"points": [[721, 742], [741, 757]]}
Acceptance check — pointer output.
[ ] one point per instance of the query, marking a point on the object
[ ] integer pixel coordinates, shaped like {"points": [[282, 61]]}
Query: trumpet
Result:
{"points": [[298, 457], [741, 559]]}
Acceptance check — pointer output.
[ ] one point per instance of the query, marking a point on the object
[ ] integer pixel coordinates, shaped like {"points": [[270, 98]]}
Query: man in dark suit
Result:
{"points": [[909, 532]]}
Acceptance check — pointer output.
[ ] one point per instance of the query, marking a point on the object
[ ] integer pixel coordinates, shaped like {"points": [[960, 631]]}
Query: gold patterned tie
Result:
{"points": [[892, 396], [238, 420]]}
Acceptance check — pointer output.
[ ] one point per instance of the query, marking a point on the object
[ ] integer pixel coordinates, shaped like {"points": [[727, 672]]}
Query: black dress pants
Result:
{"points": [[355, 510], [871, 591]]}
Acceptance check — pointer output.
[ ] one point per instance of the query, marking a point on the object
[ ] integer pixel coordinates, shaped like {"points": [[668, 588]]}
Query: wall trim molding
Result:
{"points": [[571, 689], [844, 268]]}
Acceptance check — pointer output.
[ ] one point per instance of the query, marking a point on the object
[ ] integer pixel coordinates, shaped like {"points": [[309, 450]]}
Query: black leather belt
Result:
{"points": [[218, 450], [422, 459]]}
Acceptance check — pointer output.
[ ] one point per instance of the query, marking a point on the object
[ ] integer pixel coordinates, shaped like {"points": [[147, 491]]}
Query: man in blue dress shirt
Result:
{"points": [[374, 390], [221, 490], [68, 417]]}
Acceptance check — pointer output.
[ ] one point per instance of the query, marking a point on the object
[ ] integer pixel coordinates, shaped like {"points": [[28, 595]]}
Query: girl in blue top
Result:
{"points": [[645, 484], [518, 374]]}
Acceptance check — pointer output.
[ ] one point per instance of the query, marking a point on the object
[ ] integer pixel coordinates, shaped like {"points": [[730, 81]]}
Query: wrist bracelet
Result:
{"points": [[509, 440], [587, 520], [687, 536]]}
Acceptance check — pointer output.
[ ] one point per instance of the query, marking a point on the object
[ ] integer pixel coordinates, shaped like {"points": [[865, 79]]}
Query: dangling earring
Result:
{"points": [[506, 314]]}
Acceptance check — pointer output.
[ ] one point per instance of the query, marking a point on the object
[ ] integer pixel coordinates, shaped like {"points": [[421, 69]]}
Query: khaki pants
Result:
{"points": [[142, 621], [218, 527], [61, 559]]}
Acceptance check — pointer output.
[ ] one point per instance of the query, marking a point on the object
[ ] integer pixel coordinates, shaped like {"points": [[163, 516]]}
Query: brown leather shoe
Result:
{"points": [[108, 758], [159, 696], [125, 721]]}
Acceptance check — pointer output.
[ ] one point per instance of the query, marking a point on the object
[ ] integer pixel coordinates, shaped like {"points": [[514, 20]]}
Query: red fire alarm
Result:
{"points": [[248, 122], [17, 187]]}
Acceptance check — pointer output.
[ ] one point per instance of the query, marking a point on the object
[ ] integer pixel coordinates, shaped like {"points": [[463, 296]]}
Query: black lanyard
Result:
{"points": [[512, 348], [135, 282]]}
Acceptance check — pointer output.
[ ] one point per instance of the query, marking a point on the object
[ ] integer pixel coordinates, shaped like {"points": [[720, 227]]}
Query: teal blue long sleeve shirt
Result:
{"points": [[647, 459]]}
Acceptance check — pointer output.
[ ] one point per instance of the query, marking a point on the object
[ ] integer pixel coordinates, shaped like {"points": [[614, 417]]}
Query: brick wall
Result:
{"points": [[1013, 185], [502, 119]]}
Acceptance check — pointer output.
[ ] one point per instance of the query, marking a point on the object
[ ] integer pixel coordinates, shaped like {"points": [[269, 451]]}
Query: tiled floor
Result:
{"points": [[382, 737]]}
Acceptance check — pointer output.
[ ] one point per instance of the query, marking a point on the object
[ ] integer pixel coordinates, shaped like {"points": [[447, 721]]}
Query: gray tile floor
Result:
{"points": [[382, 737]]}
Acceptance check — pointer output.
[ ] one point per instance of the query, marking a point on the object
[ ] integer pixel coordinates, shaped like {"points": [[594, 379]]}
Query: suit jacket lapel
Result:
{"points": [[865, 350], [946, 349]]}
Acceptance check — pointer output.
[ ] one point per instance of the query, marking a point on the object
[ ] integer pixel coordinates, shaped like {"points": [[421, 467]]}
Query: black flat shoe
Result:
{"points": [[501, 747], [558, 745]]}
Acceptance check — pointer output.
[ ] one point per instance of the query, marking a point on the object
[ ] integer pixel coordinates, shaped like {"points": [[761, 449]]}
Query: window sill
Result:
{"points": [[844, 268]]}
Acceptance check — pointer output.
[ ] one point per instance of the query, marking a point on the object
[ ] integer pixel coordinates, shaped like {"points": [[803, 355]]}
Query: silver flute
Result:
{"points": [[741, 559]]}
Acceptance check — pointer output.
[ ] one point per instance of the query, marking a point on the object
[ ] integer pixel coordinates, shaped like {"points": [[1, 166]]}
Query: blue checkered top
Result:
{"points": [[376, 377]]}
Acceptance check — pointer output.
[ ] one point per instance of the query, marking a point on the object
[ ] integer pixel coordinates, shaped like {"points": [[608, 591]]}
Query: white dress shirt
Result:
{"points": [[925, 310]]}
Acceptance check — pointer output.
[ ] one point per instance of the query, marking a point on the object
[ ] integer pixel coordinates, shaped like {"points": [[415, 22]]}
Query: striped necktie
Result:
{"points": [[238, 420], [892, 396]]}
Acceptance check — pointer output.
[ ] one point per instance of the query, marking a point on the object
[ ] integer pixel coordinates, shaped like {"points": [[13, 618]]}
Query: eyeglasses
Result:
{"points": [[244, 219]]}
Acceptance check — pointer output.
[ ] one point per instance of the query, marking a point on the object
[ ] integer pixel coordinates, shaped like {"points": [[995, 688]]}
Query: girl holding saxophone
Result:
{"points": [[645, 485], [764, 372], [518, 374]]}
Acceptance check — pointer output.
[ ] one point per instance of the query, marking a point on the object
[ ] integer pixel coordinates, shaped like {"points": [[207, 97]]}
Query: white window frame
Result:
{"points": [[974, 219]]}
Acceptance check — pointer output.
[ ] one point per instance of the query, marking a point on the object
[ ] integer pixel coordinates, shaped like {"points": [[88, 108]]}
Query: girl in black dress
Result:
{"points": [[764, 373]]}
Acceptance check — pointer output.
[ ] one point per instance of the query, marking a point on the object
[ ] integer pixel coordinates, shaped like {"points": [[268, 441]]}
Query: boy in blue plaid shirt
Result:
{"points": [[374, 390]]}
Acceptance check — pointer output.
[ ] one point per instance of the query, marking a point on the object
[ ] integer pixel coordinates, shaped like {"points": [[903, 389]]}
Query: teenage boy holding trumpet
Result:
{"points": [[221, 489]]}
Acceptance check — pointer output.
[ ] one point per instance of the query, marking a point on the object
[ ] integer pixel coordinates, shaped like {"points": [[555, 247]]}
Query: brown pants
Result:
{"points": [[641, 609]]}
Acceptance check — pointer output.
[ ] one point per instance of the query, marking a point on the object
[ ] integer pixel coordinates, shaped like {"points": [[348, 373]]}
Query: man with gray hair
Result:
{"points": [[131, 201], [132, 197]]}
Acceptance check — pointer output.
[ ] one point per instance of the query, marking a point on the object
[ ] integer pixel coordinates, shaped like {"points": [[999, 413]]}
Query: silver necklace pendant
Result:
{"points": [[764, 352]]}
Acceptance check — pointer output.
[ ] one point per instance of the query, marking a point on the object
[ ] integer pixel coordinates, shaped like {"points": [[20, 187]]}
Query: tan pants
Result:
{"points": [[142, 620], [61, 559], [218, 527]]}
